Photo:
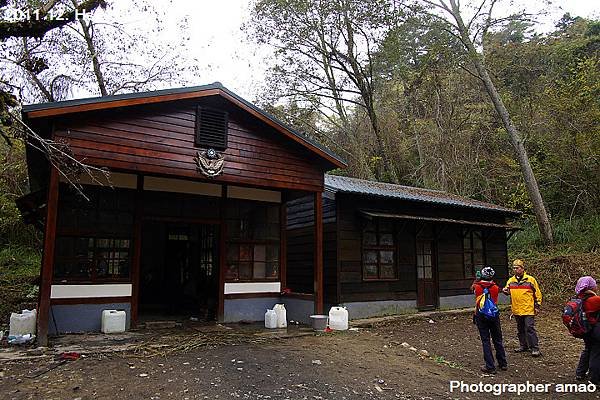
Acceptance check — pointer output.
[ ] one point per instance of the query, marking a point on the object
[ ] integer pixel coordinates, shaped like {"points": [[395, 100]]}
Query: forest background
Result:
{"points": [[386, 84]]}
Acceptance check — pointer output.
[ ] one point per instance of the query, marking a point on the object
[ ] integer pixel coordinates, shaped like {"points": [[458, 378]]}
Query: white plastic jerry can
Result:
{"points": [[281, 315], [338, 318], [113, 321], [271, 319], [23, 323]]}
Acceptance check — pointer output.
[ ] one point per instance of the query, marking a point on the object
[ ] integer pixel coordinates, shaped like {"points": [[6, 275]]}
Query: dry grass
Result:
{"points": [[558, 275]]}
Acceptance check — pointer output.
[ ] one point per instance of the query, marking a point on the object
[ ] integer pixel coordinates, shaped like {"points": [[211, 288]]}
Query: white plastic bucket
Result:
{"points": [[338, 318]]}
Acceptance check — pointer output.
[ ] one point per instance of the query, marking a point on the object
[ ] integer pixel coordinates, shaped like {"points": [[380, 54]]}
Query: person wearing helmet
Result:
{"points": [[525, 300], [488, 324]]}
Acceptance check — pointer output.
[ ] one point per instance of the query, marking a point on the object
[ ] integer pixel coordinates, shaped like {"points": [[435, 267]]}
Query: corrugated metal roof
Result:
{"points": [[166, 92], [379, 214], [345, 184]]}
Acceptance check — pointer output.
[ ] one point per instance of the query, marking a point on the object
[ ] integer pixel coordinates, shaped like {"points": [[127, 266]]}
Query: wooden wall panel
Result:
{"points": [[161, 141]]}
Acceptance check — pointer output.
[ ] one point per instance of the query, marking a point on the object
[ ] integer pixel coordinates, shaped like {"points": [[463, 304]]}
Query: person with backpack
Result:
{"points": [[526, 301], [487, 319], [581, 316]]}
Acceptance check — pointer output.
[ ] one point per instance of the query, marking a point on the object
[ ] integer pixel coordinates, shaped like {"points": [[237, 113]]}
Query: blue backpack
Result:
{"points": [[485, 305]]}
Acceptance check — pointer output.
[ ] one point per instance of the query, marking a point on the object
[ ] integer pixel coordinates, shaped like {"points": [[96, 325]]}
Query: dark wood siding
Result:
{"points": [[160, 140], [450, 261], [353, 288], [300, 247], [448, 242]]}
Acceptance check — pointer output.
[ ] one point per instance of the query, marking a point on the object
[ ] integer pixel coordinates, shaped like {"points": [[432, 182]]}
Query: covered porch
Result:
{"points": [[163, 248]]}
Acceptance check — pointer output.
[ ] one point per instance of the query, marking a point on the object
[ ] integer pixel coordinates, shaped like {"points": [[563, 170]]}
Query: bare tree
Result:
{"points": [[90, 53], [472, 35], [324, 54]]}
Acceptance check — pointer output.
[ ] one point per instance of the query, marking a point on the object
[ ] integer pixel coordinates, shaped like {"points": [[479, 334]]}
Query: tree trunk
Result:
{"points": [[364, 84], [533, 189], [47, 93], [93, 53], [363, 164]]}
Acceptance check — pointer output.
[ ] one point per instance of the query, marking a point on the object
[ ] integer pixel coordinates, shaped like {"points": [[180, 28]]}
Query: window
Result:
{"points": [[424, 259], [378, 251], [91, 259], [252, 241], [211, 128], [473, 252]]}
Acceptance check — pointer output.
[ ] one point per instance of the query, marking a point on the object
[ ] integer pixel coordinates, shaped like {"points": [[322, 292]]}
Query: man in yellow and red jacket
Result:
{"points": [[526, 300]]}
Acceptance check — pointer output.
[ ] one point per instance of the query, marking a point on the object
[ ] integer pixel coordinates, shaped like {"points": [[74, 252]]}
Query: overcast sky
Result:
{"points": [[224, 53]]}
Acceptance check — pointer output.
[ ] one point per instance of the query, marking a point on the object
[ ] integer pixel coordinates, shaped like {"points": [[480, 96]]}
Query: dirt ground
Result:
{"points": [[247, 362]]}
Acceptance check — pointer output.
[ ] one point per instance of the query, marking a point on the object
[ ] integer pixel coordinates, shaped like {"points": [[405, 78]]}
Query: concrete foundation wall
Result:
{"points": [[466, 301], [366, 309], [236, 310], [459, 301], [299, 310], [82, 317]]}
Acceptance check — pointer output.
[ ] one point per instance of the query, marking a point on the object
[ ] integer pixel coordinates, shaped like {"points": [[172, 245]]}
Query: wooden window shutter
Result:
{"points": [[211, 128]]}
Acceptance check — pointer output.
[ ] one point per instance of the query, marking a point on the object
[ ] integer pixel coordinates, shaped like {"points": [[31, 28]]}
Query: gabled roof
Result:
{"points": [[57, 108], [335, 184]]}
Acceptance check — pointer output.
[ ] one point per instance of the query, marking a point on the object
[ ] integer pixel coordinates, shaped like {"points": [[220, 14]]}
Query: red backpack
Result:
{"points": [[575, 319]]}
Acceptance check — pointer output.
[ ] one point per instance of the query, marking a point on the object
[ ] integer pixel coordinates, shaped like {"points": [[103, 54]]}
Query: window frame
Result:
{"points": [[420, 246], [243, 240], [378, 248], [93, 261], [471, 252]]}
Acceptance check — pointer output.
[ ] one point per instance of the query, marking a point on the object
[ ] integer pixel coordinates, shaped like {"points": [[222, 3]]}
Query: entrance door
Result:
{"points": [[179, 270], [426, 275]]}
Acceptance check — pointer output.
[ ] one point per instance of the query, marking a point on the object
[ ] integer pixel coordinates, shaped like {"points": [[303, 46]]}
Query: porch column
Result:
{"points": [[47, 258], [283, 243], [137, 250], [318, 261], [222, 253]]}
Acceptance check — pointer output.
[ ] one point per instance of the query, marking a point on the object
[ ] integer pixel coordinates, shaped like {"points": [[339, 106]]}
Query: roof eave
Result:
{"points": [[504, 211]]}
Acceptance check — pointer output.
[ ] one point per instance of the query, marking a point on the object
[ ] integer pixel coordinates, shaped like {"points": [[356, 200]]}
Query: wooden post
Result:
{"points": [[318, 261], [48, 258], [222, 252], [137, 250], [283, 244]]}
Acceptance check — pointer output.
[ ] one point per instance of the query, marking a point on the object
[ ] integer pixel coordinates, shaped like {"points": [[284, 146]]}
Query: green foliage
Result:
{"points": [[19, 262], [13, 184], [579, 235], [19, 274]]}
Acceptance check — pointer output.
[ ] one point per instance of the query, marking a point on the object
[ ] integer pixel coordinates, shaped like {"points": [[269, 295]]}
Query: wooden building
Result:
{"points": [[210, 212], [388, 248], [192, 220]]}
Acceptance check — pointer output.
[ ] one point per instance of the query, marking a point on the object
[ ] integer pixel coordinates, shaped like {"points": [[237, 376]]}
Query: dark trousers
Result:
{"points": [[526, 332], [592, 348], [584, 360], [491, 328]]}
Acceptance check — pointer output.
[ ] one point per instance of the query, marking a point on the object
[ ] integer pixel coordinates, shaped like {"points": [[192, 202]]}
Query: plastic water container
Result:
{"points": [[338, 318], [23, 323], [270, 319], [281, 315], [113, 321]]}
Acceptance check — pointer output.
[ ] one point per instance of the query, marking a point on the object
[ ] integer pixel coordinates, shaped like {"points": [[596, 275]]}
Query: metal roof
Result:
{"points": [[345, 184], [378, 214], [166, 92]]}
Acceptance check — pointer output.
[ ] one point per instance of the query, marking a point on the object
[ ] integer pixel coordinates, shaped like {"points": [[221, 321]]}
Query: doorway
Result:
{"points": [[179, 271], [427, 295]]}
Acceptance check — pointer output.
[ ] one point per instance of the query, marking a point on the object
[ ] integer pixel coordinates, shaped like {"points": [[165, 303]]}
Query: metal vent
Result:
{"points": [[211, 128]]}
